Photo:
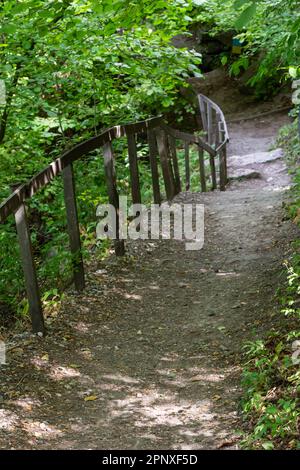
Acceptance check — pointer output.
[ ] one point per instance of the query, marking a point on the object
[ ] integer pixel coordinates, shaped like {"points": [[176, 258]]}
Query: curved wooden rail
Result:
{"points": [[216, 135], [162, 153]]}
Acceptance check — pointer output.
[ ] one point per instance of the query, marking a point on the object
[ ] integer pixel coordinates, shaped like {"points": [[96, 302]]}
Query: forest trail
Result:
{"points": [[148, 356]]}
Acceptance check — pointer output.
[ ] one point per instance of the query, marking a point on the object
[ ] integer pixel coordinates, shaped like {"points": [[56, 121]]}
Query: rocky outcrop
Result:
{"points": [[210, 82], [210, 46]]}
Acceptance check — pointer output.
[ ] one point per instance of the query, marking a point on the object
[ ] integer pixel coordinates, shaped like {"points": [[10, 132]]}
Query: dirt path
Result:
{"points": [[148, 357]]}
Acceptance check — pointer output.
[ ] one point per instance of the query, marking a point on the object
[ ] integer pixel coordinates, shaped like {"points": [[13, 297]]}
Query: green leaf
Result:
{"points": [[240, 3], [293, 71], [268, 445], [9, 28], [199, 2], [246, 16]]}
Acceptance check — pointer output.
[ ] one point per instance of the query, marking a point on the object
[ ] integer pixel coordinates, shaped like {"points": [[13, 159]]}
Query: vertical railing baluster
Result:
{"points": [[209, 139], [203, 114], [222, 156], [31, 282], [213, 172], [225, 163], [209, 124], [222, 170], [134, 170], [202, 169], [113, 195], [172, 144], [73, 226], [218, 140], [153, 152], [163, 151], [187, 166]]}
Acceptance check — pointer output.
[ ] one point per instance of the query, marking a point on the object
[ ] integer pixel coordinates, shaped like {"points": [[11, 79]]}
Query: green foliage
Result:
{"points": [[273, 29], [271, 377], [289, 140], [246, 15], [270, 30], [271, 383]]}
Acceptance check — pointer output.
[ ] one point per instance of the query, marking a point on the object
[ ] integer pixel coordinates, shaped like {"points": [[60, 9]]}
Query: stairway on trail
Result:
{"points": [[254, 155], [251, 166], [148, 356]]}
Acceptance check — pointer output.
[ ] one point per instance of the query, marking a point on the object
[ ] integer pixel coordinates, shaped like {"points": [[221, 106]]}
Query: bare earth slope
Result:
{"points": [[148, 357]]}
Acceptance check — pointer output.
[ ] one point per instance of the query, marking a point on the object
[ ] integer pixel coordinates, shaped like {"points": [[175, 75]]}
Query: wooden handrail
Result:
{"points": [[204, 99], [44, 177], [162, 144], [190, 138], [217, 136]]}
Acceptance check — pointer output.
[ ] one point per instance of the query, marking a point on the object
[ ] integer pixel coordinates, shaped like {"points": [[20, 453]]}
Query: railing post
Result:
{"points": [[213, 172], [202, 169], [212, 116], [187, 166], [73, 226], [203, 114], [153, 152], [31, 282], [162, 144], [225, 163], [172, 144], [134, 170], [222, 170], [222, 157], [209, 140], [209, 124], [113, 195], [219, 154]]}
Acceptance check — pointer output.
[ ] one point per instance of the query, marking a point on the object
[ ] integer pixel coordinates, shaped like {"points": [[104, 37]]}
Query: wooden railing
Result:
{"points": [[217, 137], [162, 143]]}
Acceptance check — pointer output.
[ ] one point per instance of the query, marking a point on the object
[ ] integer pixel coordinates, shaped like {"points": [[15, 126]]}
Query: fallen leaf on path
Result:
{"points": [[216, 397], [100, 272], [91, 398], [221, 328], [197, 378], [171, 375], [228, 443]]}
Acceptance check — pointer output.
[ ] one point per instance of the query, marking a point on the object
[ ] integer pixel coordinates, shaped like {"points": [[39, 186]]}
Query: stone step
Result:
{"points": [[237, 161], [243, 174]]}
